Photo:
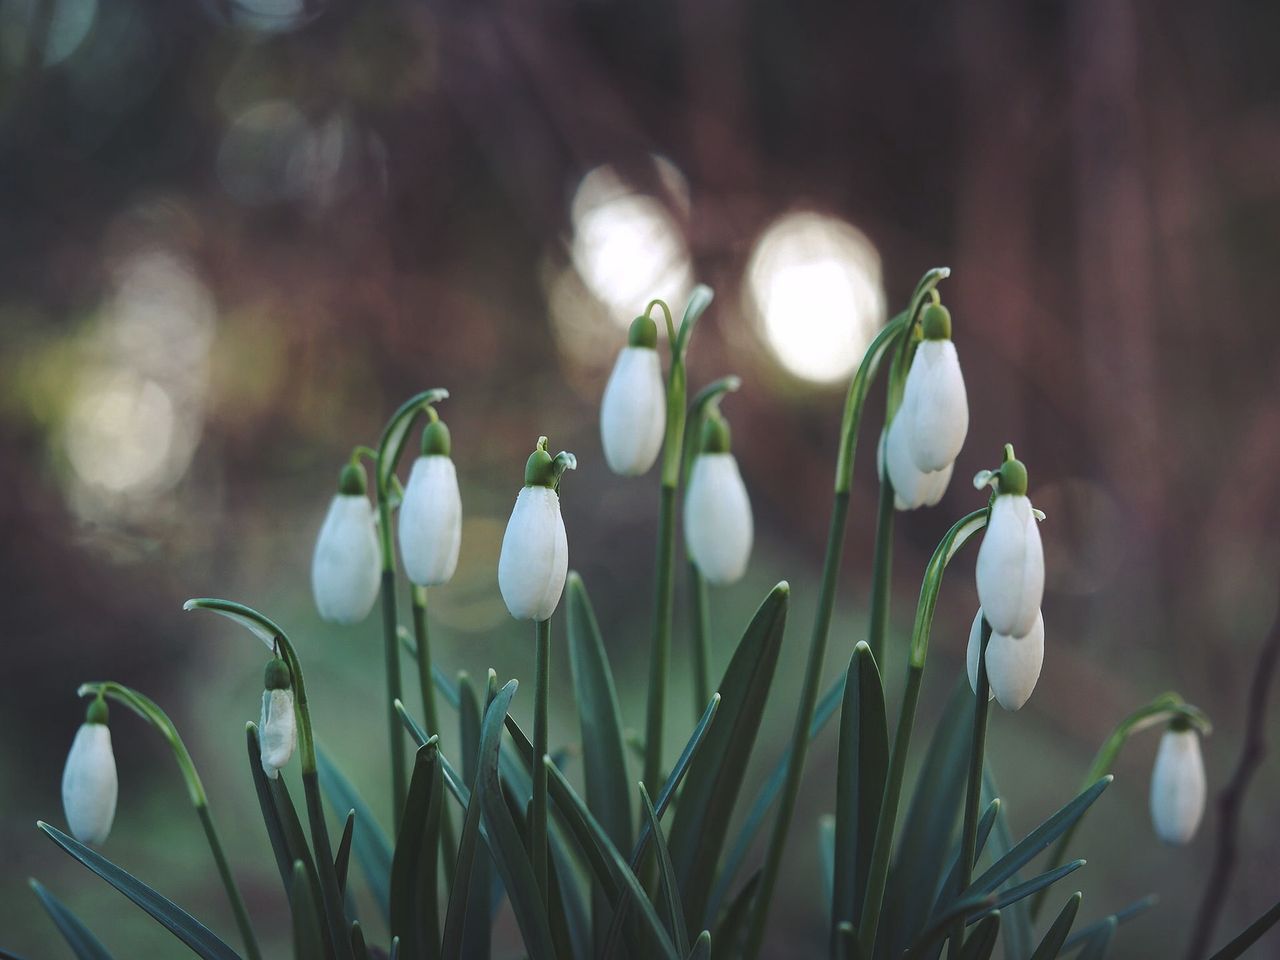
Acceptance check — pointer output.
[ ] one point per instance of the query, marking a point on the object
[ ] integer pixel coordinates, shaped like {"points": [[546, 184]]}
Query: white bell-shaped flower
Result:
{"points": [[1178, 785], [935, 395], [1013, 663], [912, 488], [1010, 569], [346, 566], [90, 785], [431, 512], [633, 413], [534, 560], [278, 729], [718, 527]]}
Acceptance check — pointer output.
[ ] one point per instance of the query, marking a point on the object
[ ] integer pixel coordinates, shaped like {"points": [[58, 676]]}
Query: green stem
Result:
{"points": [[427, 688], [391, 653], [660, 651], [147, 708], [701, 615], [881, 573], [973, 796], [538, 826]]}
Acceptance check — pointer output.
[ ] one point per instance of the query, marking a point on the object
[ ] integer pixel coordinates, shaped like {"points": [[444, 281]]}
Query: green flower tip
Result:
{"points": [[643, 333], [97, 711], [1013, 477], [716, 436], [436, 441], [352, 481], [539, 469], [1180, 723], [277, 675], [935, 322]]}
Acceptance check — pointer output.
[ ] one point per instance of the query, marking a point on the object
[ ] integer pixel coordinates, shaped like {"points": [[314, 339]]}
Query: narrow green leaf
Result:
{"points": [[847, 940], [1056, 935], [1120, 916], [672, 914], [407, 868], [1096, 947], [79, 938], [1249, 936], [862, 762], [260, 625], [270, 816], [358, 947], [702, 947], [716, 774], [342, 859], [164, 911], [473, 894], [1015, 928], [699, 300], [1020, 892], [1038, 839], [982, 942], [308, 943], [947, 887], [296, 844], [372, 849], [733, 925], [391, 445], [613, 872], [937, 928], [827, 855]]}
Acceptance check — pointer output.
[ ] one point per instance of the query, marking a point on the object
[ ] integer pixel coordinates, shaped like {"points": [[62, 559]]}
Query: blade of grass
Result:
{"points": [[79, 938], [410, 860], [1134, 909], [1015, 928], [342, 859], [371, 846], [673, 915], [1051, 945], [982, 942], [1096, 947], [308, 941]]}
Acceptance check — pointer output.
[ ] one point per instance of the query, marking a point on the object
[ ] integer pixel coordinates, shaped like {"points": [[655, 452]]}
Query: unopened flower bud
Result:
{"points": [[934, 396], [633, 413], [534, 560], [1178, 784], [90, 785], [718, 526], [278, 728], [346, 568], [431, 512], [1010, 569]]}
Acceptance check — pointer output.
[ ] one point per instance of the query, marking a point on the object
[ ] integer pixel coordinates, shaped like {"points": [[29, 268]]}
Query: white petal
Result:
{"points": [[90, 785], [972, 653], [1178, 787], [717, 518], [431, 521], [1013, 665], [633, 413], [911, 487], [1010, 570], [278, 731], [535, 555], [939, 405], [346, 567]]}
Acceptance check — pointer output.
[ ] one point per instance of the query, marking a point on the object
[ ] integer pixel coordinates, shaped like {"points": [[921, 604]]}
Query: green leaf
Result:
{"points": [[1020, 892], [716, 773], [608, 865], [342, 859], [604, 760], [411, 903], [699, 300], [982, 942], [1096, 947], [79, 938], [1015, 928], [1120, 916], [164, 911], [1056, 935], [939, 925], [672, 914], [862, 762], [1037, 840], [733, 925], [472, 895], [308, 942], [260, 625], [827, 854], [372, 849], [702, 947], [394, 434], [358, 947], [1249, 936], [945, 890]]}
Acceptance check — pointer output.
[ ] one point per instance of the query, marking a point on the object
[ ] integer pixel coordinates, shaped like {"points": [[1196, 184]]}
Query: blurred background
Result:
{"points": [[235, 235]]}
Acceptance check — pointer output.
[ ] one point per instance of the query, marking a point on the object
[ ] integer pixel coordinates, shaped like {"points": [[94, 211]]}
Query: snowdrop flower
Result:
{"points": [[89, 782], [912, 488], [346, 568], [431, 512], [935, 397], [633, 413], [1013, 663], [535, 550], [717, 511], [278, 731], [1178, 784], [1010, 569]]}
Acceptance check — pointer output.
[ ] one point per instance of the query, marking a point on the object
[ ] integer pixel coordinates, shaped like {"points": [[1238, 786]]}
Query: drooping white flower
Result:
{"points": [[1178, 785], [278, 729], [718, 527], [1013, 663], [633, 413], [912, 488], [346, 566], [431, 512], [935, 395], [534, 560], [1010, 569], [89, 781]]}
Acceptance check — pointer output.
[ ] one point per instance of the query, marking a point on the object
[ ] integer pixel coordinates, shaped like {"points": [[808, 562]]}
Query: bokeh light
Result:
{"points": [[814, 284], [68, 23]]}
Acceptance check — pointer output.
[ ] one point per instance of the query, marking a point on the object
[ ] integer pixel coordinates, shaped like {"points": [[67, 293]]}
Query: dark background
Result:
{"points": [[234, 237]]}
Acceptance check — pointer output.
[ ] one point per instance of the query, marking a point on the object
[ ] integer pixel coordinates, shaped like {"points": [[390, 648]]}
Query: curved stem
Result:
{"points": [[881, 572], [147, 709], [538, 826], [391, 655], [700, 614]]}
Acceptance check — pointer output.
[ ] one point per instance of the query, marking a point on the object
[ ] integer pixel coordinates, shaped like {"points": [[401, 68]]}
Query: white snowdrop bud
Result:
{"points": [[278, 729], [89, 782], [346, 567], [1178, 785], [431, 512], [1010, 569], [935, 394], [633, 413], [535, 549], [911, 487], [718, 528]]}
